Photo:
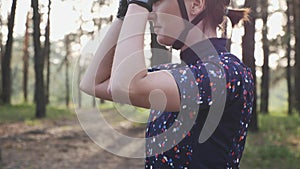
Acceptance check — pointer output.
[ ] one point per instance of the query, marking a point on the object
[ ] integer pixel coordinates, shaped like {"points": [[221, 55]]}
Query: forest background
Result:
{"points": [[45, 46]]}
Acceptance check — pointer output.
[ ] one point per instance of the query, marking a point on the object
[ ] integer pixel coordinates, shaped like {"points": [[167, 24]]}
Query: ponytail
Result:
{"points": [[237, 15]]}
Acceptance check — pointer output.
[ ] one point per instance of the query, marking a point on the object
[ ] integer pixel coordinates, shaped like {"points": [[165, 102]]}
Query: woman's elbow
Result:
{"points": [[87, 89], [120, 93]]}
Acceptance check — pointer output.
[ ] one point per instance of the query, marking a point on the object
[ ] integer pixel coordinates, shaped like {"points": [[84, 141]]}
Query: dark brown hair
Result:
{"points": [[218, 9]]}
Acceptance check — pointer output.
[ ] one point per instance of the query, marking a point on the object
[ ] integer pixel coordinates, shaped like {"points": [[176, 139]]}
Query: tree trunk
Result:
{"points": [[38, 63], [297, 54], [288, 56], [26, 59], [248, 46], [78, 82], [67, 83], [160, 54], [6, 59], [66, 61], [47, 54], [1, 53], [264, 104]]}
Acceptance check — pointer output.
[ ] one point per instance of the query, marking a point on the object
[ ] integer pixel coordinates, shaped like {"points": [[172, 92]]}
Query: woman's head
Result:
{"points": [[167, 21], [215, 10]]}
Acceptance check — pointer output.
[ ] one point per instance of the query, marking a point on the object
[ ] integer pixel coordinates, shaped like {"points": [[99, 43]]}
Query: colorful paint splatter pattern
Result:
{"points": [[230, 135]]}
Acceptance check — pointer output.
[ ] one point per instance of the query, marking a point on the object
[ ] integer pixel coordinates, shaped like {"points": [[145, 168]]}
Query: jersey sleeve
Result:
{"points": [[201, 86], [192, 81], [193, 85]]}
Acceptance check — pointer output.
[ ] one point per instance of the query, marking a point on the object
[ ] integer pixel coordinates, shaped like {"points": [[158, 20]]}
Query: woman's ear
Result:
{"points": [[197, 6]]}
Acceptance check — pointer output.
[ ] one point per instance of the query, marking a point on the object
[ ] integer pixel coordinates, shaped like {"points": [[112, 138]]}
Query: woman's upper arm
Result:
{"points": [[158, 90], [173, 90]]}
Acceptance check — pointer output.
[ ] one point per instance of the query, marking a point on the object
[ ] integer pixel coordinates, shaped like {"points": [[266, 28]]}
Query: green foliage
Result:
{"points": [[276, 145], [26, 113], [32, 122], [54, 112]]}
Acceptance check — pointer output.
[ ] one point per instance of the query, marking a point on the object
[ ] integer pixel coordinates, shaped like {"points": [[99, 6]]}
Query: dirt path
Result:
{"points": [[60, 144]]}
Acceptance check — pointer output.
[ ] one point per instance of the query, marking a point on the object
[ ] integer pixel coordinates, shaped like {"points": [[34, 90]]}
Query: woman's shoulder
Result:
{"points": [[233, 63]]}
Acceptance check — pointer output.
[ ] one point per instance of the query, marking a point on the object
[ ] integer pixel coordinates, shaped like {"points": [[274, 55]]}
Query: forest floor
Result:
{"points": [[59, 144]]}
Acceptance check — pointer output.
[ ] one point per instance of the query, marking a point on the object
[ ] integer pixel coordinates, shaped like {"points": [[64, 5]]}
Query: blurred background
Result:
{"points": [[46, 45]]}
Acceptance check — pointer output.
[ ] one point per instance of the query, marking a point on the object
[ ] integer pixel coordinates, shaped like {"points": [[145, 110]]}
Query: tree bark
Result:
{"points": [[38, 63], [66, 61], [78, 82], [248, 46], [47, 54], [6, 59], [264, 104], [1, 54], [288, 56], [26, 59], [297, 55]]}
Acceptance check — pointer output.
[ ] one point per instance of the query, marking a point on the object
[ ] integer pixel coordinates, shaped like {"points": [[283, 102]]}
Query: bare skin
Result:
{"points": [[128, 80]]}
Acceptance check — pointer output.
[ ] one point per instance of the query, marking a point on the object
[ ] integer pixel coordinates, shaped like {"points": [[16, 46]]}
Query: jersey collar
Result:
{"points": [[211, 46]]}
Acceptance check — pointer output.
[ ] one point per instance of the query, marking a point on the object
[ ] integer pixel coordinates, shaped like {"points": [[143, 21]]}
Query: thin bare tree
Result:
{"points": [[288, 56], [1, 51], [66, 62], [248, 45], [296, 9], [6, 58], [46, 51], [26, 58], [264, 104], [39, 58]]}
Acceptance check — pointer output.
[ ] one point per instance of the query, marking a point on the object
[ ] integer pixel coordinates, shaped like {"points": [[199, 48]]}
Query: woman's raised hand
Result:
{"points": [[144, 3], [123, 5]]}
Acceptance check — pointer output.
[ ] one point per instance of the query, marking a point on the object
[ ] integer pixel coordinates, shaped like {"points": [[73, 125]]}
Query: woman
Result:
{"points": [[201, 108]]}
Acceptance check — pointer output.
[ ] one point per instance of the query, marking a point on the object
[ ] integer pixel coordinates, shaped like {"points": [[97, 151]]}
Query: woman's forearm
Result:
{"points": [[129, 61], [99, 69]]}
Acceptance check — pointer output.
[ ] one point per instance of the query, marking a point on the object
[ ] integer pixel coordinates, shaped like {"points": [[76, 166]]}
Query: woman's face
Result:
{"points": [[167, 21]]}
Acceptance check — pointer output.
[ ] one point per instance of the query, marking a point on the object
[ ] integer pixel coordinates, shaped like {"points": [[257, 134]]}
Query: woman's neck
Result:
{"points": [[199, 33]]}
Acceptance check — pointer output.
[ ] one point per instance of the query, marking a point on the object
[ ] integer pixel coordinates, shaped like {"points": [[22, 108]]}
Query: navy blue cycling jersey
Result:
{"points": [[224, 147]]}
